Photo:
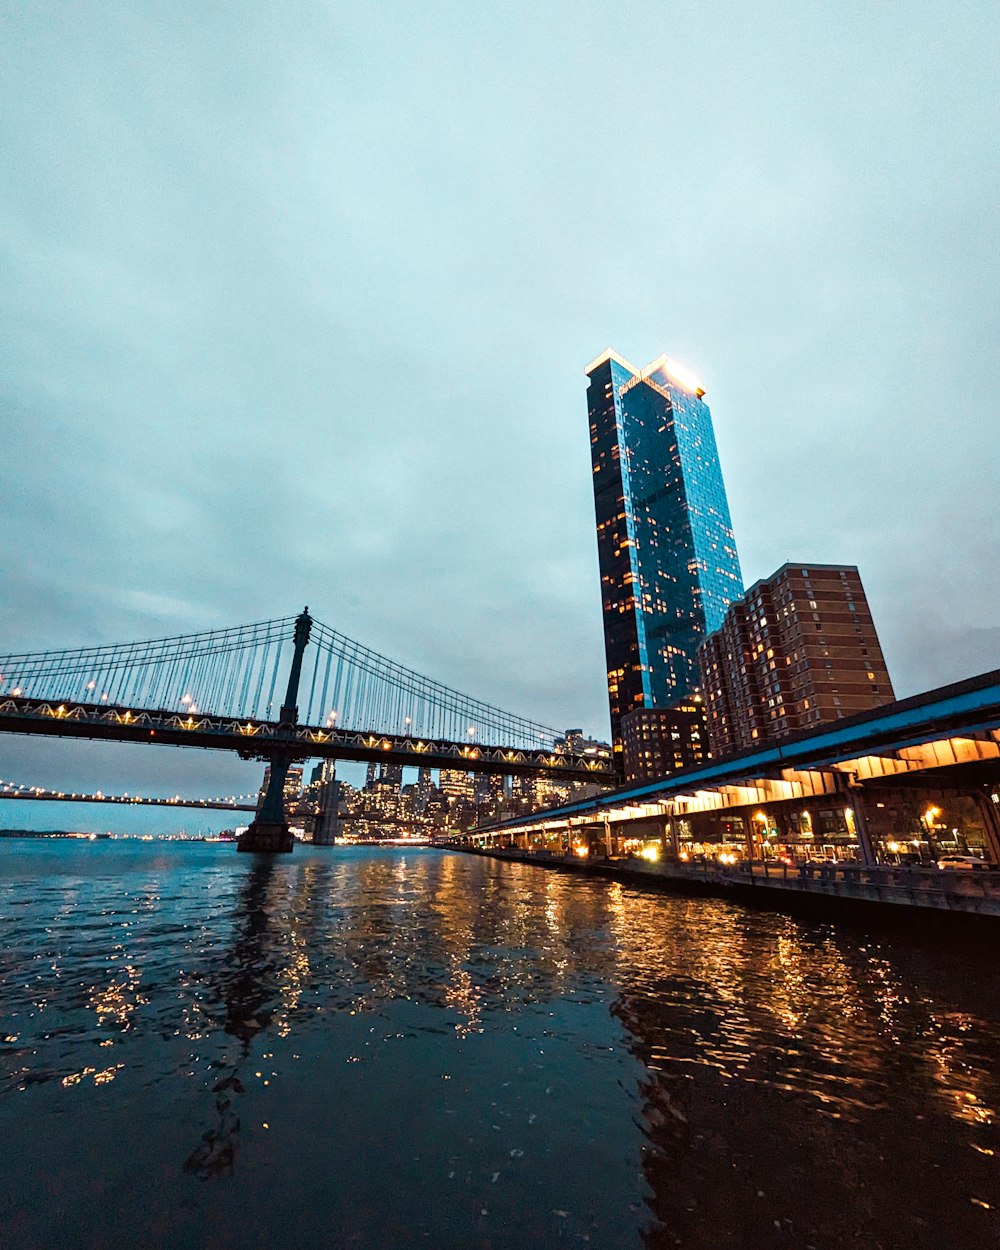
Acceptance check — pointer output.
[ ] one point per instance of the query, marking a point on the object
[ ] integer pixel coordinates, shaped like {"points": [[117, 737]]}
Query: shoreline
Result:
{"points": [[883, 902]]}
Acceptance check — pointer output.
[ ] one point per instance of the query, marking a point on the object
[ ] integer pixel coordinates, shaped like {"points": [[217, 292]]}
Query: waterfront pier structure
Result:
{"points": [[895, 790]]}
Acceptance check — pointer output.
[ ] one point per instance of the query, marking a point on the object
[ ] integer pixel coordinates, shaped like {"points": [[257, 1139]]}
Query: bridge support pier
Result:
{"points": [[268, 831], [266, 838]]}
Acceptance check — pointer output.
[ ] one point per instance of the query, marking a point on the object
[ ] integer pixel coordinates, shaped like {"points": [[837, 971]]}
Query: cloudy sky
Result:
{"points": [[296, 301]]}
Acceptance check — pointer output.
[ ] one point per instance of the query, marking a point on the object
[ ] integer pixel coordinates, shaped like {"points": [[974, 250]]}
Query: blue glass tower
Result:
{"points": [[666, 551]]}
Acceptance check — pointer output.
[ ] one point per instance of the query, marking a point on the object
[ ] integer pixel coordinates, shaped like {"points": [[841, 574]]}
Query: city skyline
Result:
{"points": [[307, 338]]}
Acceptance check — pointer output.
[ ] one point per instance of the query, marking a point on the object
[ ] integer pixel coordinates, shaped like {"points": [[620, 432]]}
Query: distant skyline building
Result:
{"points": [[667, 556], [799, 649], [576, 740], [291, 790], [457, 785]]}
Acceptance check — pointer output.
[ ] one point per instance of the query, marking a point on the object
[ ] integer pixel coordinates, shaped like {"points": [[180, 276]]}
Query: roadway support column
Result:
{"points": [[671, 837], [856, 805], [268, 832], [991, 822], [748, 845]]}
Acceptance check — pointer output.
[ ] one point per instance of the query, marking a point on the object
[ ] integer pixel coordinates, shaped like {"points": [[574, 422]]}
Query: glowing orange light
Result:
{"points": [[683, 377]]}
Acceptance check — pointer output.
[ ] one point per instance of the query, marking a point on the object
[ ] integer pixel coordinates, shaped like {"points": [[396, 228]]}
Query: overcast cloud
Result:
{"points": [[296, 302]]}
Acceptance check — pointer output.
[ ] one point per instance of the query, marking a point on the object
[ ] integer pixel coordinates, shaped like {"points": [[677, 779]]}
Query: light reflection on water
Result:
{"points": [[385, 1048]]}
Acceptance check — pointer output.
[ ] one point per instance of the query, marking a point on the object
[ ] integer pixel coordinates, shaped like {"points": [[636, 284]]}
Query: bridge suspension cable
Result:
{"points": [[240, 672], [353, 687], [228, 672]]}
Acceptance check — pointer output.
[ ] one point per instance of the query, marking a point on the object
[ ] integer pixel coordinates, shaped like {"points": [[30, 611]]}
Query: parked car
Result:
{"points": [[962, 863]]}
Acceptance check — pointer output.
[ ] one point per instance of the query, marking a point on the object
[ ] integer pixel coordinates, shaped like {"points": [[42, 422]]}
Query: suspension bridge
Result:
{"points": [[39, 794], [218, 690]]}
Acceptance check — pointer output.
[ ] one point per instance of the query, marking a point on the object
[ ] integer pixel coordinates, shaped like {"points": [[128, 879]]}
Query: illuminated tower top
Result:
{"points": [[666, 551]]}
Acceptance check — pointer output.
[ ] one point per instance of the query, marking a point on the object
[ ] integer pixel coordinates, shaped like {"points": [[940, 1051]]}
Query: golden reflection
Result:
{"points": [[463, 997], [769, 1001], [751, 1023], [960, 1081], [100, 1076], [116, 1003], [295, 921]]}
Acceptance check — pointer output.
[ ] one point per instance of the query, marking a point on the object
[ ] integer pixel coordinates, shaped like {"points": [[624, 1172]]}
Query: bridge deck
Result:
{"points": [[258, 739]]}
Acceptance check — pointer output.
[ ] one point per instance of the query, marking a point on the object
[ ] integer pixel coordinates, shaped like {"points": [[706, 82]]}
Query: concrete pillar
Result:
{"points": [[990, 817], [608, 839], [671, 838], [855, 802], [327, 825], [269, 832], [747, 835]]}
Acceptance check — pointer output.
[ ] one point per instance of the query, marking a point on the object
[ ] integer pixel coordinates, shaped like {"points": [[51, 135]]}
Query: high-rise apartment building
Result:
{"points": [[659, 741], [667, 556], [798, 649]]}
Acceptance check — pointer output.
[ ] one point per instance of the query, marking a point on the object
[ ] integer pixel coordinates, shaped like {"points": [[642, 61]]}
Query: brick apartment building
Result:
{"points": [[659, 741], [798, 649]]}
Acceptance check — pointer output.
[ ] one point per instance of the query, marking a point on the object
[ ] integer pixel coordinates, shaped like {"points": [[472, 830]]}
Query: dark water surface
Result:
{"points": [[385, 1048]]}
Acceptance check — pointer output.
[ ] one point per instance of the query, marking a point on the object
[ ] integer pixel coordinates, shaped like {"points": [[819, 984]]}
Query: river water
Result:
{"points": [[385, 1048]]}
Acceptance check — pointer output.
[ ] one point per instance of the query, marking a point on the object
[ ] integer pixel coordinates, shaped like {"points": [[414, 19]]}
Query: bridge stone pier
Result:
{"points": [[327, 826], [268, 832]]}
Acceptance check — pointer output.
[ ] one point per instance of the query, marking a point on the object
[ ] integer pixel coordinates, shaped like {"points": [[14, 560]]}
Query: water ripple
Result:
{"points": [[420, 1038]]}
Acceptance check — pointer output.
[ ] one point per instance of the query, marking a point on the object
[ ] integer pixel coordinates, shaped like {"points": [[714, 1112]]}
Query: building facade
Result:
{"points": [[668, 562], [659, 741], [576, 740], [457, 785], [799, 649]]}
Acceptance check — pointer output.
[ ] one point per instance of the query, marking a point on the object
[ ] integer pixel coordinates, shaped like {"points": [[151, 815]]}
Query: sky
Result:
{"points": [[295, 303]]}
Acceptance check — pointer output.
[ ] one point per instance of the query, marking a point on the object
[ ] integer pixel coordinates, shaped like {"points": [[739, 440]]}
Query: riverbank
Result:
{"points": [[884, 895]]}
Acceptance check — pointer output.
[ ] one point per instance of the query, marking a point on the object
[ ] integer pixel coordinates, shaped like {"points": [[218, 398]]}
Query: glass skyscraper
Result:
{"points": [[667, 556]]}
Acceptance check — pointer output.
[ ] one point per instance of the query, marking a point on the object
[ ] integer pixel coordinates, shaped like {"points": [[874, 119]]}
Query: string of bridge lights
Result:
{"points": [[15, 790]]}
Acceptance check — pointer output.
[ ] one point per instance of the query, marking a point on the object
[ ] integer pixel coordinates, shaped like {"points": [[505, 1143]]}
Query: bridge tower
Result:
{"points": [[269, 832]]}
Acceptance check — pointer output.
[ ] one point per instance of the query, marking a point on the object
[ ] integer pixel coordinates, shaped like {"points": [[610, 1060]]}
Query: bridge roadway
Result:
{"points": [[260, 739], [125, 800]]}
